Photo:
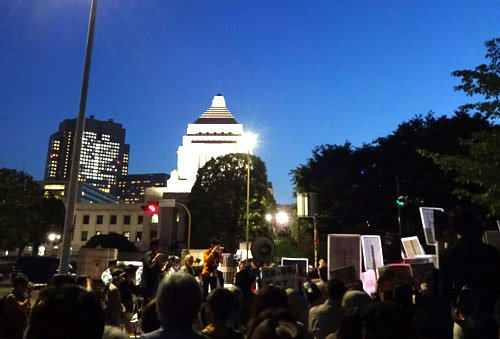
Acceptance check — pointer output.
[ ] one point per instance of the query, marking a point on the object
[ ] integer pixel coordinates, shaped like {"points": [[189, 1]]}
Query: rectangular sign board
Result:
{"points": [[428, 222], [373, 257], [492, 238], [283, 276], [346, 274], [344, 250], [412, 247], [302, 265], [166, 203]]}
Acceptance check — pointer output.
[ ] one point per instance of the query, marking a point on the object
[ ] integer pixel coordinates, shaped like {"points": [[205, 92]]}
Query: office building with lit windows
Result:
{"points": [[132, 187], [104, 156]]}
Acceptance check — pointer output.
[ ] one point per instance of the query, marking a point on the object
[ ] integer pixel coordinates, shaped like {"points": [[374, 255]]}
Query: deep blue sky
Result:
{"points": [[299, 73]]}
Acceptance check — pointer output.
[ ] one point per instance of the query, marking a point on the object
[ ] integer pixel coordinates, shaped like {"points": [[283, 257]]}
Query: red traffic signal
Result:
{"points": [[151, 207]]}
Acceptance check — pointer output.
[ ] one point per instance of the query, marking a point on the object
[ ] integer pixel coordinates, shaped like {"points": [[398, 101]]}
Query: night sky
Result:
{"points": [[298, 73]]}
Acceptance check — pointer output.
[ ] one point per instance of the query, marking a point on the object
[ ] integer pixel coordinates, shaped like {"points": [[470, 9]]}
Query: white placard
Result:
{"points": [[412, 247], [373, 257], [427, 217], [344, 250], [283, 276]]}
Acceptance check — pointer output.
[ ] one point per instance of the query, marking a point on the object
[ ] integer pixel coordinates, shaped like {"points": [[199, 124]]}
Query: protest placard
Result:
{"points": [[302, 265], [283, 276], [347, 274], [412, 247], [344, 250], [372, 252]]}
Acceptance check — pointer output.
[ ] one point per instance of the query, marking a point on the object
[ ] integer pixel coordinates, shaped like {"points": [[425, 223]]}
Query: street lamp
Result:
{"points": [[77, 147], [249, 141]]}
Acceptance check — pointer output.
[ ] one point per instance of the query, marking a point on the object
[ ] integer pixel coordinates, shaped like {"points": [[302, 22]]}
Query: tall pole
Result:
{"points": [[315, 220], [248, 199], [399, 216], [77, 147]]}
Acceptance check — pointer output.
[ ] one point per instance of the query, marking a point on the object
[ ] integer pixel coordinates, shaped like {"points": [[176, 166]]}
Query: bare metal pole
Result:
{"points": [[248, 199], [77, 147]]}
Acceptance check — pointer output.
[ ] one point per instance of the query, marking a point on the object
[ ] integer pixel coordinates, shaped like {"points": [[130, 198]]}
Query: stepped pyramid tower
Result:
{"points": [[216, 132]]}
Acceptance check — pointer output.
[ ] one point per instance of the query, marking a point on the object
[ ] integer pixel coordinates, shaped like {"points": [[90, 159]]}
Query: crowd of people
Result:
{"points": [[457, 301]]}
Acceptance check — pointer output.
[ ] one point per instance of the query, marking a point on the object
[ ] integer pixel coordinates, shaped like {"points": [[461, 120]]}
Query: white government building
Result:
{"points": [[216, 132]]}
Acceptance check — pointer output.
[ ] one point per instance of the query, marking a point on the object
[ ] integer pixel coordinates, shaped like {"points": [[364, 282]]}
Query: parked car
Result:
{"points": [[39, 270]]}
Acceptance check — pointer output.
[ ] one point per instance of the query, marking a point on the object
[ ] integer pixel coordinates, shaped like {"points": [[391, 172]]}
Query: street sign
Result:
{"points": [[166, 203]]}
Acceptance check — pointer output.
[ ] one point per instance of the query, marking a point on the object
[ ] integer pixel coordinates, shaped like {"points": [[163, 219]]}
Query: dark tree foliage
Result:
{"points": [[218, 200], [357, 186], [26, 215], [484, 80], [111, 240], [476, 172]]}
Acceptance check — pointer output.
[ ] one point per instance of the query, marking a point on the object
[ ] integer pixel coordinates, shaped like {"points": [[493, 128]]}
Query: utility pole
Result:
{"points": [[77, 147]]}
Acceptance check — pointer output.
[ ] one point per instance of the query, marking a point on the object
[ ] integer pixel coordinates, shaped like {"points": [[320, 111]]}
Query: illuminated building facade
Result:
{"points": [[104, 156], [85, 192], [215, 133], [132, 187]]}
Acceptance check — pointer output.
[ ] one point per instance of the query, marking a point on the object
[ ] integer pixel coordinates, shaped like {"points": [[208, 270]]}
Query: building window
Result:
{"points": [[99, 219], [138, 236], [127, 234], [112, 220], [86, 219], [153, 234], [140, 219], [126, 219], [85, 235], [154, 219]]}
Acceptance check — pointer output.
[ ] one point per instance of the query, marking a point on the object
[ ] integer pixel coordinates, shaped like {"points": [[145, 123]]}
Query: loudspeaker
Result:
{"points": [[263, 249]]}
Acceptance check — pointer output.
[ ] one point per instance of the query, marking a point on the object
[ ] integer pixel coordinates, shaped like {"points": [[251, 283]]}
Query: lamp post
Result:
{"points": [[77, 147], [249, 141]]}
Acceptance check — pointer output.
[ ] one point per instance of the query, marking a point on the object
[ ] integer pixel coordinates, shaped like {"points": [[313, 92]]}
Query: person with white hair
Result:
{"points": [[178, 302]]}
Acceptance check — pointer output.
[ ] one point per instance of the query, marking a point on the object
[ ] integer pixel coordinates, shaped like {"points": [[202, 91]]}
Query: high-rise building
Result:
{"points": [[132, 187], [104, 155]]}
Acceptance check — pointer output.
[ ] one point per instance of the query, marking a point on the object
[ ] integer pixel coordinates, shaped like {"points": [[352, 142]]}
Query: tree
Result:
{"points": [[357, 186], [484, 81], [26, 215], [477, 170], [111, 240], [218, 200]]}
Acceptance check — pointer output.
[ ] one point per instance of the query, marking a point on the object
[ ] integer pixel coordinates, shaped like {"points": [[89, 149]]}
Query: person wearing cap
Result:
{"points": [[114, 308]]}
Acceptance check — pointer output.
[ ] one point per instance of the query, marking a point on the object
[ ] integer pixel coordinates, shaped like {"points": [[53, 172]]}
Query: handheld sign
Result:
{"points": [[347, 274], [302, 265], [344, 250], [283, 276], [429, 223], [412, 247], [372, 252], [492, 238]]}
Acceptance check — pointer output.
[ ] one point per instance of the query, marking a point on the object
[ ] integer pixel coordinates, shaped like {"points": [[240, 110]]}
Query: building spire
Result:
{"points": [[217, 113]]}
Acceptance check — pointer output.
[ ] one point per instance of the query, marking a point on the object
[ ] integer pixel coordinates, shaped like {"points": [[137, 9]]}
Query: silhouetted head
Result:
{"points": [[178, 300]]}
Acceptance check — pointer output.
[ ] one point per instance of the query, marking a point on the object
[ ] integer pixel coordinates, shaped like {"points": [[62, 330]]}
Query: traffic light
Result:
{"points": [[402, 200], [151, 207]]}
